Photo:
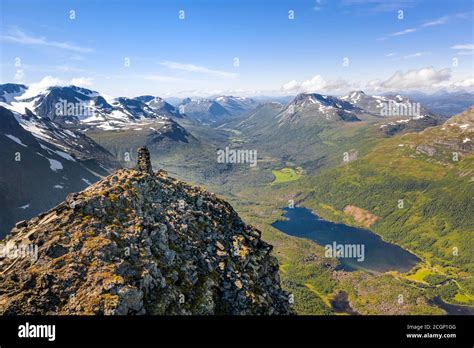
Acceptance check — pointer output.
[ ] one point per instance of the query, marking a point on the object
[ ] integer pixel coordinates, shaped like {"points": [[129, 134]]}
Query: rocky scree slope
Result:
{"points": [[139, 242]]}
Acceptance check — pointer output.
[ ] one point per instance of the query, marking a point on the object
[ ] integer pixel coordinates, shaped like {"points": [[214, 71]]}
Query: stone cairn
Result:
{"points": [[143, 161]]}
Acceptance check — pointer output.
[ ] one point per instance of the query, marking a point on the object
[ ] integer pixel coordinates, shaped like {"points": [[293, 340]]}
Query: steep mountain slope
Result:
{"points": [[311, 131], [211, 110], [314, 130], [40, 163], [121, 124], [70, 141], [172, 147], [76, 107], [138, 242], [400, 125], [258, 121], [236, 105], [311, 106], [9, 91], [159, 134], [203, 110], [375, 104], [160, 106]]}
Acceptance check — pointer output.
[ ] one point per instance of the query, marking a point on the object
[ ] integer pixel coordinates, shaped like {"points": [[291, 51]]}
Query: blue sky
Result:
{"points": [[430, 48]]}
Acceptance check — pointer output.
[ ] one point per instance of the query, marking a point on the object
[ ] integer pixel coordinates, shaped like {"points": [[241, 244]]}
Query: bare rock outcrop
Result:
{"points": [[139, 242]]}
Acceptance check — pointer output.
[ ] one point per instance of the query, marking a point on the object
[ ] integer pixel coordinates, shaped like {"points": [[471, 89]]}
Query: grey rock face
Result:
{"points": [[141, 243]]}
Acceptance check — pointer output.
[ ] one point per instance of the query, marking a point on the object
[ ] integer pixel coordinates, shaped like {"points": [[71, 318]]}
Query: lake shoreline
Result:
{"points": [[315, 212], [422, 262], [351, 242]]}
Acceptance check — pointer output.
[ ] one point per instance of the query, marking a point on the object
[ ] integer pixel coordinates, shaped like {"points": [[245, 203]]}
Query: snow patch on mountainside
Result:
{"points": [[54, 165], [15, 139]]}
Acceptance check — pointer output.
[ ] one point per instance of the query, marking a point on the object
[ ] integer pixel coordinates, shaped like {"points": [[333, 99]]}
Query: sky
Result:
{"points": [[239, 47]]}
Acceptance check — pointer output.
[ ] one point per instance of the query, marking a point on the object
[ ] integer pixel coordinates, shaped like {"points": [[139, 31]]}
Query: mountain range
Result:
{"points": [[211, 110], [95, 129], [68, 138], [444, 103]]}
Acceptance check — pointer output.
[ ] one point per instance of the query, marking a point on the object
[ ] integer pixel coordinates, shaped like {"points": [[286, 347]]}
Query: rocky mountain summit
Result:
{"points": [[139, 242]]}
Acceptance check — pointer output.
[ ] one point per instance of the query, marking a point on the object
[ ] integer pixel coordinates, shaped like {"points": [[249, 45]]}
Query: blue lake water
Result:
{"points": [[453, 309], [378, 255]]}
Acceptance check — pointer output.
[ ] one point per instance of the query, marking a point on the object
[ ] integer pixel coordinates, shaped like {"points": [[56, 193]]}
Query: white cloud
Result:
{"points": [[70, 69], [163, 78], [50, 81], [377, 6], [35, 88], [426, 79], [199, 93], [290, 85], [468, 82], [77, 57], [18, 36], [414, 55], [463, 47], [421, 78], [373, 85], [315, 84], [318, 5], [439, 21], [404, 32], [199, 69], [82, 81]]}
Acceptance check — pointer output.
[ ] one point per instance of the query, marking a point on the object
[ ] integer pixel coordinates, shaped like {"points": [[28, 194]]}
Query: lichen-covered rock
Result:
{"points": [[140, 243]]}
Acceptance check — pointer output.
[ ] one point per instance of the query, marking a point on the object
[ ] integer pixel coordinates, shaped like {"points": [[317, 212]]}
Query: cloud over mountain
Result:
{"points": [[417, 78], [316, 84]]}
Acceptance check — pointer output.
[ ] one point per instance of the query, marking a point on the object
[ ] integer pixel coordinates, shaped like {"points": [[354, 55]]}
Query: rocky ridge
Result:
{"points": [[138, 242]]}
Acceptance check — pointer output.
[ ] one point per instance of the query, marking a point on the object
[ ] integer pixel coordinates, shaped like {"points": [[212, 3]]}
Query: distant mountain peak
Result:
{"points": [[318, 107], [9, 91], [353, 94]]}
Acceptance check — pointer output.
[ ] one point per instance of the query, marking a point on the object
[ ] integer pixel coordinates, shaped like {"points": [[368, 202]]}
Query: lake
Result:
{"points": [[360, 248], [453, 309]]}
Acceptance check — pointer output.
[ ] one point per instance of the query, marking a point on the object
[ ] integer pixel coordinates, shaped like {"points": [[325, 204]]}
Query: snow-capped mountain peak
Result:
{"points": [[160, 106], [380, 105], [307, 106], [10, 91], [74, 106]]}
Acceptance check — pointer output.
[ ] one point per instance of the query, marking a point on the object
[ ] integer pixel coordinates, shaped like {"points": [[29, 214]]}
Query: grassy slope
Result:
{"points": [[436, 219]]}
